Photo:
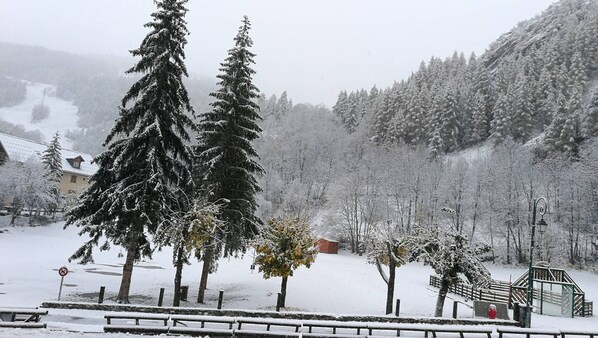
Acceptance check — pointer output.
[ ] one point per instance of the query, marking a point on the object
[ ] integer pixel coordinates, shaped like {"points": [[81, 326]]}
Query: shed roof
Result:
{"points": [[19, 149]]}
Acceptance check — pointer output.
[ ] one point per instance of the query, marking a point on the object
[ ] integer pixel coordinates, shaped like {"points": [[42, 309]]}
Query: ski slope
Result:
{"points": [[63, 114]]}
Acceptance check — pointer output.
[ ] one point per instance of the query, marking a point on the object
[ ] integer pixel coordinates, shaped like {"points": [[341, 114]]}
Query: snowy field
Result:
{"points": [[340, 284], [63, 114]]}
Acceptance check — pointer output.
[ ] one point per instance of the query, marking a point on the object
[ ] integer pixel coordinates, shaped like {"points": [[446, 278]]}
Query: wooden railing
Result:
{"points": [[499, 291], [495, 292]]}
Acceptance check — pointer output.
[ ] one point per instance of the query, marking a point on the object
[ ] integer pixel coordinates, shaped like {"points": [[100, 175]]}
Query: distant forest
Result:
{"points": [[538, 78]]}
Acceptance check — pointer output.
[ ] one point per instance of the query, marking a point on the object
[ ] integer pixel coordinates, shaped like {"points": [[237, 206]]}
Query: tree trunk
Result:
{"points": [[444, 286], [125, 282], [205, 271], [283, 290], [390, 289], [178, 275]]}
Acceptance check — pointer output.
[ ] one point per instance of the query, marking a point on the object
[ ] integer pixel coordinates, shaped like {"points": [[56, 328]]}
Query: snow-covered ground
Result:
{"points": [[63, 114], [340, 284]]}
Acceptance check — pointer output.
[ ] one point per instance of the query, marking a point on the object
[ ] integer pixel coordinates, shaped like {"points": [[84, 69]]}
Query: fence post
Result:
{"points": [[161, 297], [220, 297], [278, 302], [101, 297], [184, 292], [455, 304], [398, 307]]}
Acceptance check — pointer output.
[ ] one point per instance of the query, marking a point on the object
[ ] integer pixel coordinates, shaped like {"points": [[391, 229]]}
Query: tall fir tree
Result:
{"points": [[501, 122], [553, 132], [449, 123], [479, 123], [522, 110], [144, 174], [226, 153], [590, 122], [52, 160]]}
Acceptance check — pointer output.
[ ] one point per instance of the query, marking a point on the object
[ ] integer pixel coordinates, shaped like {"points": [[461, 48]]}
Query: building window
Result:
{"points": [[73, 179], [76, 164]]}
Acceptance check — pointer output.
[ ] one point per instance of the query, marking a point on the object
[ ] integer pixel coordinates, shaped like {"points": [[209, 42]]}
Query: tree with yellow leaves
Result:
{"points": [[192, 232], [282, 246]]}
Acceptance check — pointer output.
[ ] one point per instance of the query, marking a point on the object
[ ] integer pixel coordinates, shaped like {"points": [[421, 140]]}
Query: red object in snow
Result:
{"points": [[492, 311], [327, 246]]}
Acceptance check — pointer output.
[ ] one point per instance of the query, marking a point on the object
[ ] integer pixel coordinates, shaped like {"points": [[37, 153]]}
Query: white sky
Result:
{"points": [[311, 48]]}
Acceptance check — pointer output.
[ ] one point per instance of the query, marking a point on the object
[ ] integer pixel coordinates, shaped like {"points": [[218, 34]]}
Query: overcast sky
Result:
{"points": [[311, 48]]}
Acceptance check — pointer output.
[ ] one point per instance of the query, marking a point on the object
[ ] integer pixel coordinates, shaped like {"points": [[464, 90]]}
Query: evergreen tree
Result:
{"points": [[501, 122], [483, 85], [553, 132], [479, 132], [545, 98], [52, 160], [413, 114], [144, 174], [341, 108], [283, 106], [436, 144], [578, 77], [226, 153], [590, 123], [449, 124], [570, 132], [382, 118], [522, 114]]}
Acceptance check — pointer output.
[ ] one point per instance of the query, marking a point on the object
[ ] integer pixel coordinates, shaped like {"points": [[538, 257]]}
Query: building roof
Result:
{"points": [[19, 149]]}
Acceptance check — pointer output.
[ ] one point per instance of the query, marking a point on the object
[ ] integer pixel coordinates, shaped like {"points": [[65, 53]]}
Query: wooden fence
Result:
{"points": [[499, 291]]}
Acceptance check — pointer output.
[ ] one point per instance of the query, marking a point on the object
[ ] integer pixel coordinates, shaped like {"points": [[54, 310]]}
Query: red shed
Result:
{"points": [[327, 246]]}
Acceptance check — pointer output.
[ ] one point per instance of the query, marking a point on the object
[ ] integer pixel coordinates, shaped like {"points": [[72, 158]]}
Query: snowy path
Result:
{"points": [[63, 114]]}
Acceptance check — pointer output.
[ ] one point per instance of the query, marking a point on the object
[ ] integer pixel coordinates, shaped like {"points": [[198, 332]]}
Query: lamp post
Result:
{"points": [[530, 275]]}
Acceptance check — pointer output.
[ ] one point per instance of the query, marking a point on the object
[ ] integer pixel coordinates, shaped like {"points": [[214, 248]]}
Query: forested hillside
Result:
{"points": [[95, 84], [463, 146], [539, 77]]}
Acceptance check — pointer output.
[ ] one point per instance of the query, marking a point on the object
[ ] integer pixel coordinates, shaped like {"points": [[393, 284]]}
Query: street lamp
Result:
{"points": [[530, 274]]}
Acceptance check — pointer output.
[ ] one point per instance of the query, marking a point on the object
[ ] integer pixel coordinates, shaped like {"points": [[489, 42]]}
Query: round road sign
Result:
{"points": [[63, 271]]}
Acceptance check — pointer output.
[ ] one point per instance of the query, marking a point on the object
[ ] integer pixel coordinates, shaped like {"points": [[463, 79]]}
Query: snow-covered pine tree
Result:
{"points": [[282, 106], [52, 160], [412, 130], [144, 174], [590, 123], [545, 100], [449, 124], [501, 122], [553, 132], [341, 107], [522, 110], [578, 76], [226, 153], [479, 123], [570, 132], [483, 85], [352, 116]]}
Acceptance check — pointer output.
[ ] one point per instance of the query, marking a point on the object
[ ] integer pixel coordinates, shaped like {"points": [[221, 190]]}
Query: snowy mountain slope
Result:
{"points": [[63, 114], [527, 33]]}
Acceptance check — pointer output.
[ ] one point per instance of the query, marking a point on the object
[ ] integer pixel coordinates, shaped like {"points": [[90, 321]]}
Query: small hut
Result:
{"points": [[327, 246]]}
